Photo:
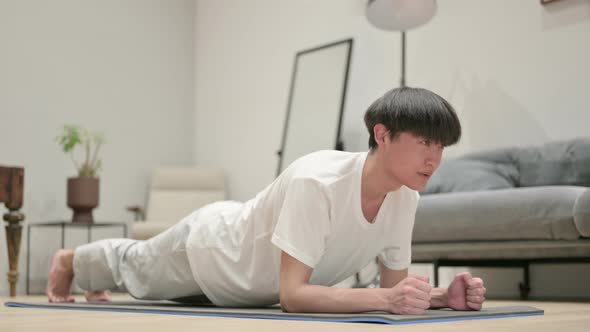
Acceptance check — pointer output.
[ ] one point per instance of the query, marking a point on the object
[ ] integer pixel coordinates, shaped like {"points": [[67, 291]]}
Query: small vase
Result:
{"points": [[83, 193]]}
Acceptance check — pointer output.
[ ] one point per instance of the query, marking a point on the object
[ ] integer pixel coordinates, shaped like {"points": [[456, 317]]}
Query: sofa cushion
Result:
{"points": [[172, 205], [553, 163], [582, 213], [471, 175], [565, 163], [145, 230], [535, 249], [532, 213]]}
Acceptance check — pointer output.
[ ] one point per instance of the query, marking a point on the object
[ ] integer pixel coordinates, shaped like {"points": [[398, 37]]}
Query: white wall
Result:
{"points": [[124, 68], [516, 71], [246, 53]]}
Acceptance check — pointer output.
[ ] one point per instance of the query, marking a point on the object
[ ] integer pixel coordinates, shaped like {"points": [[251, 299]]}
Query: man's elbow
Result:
{"points": [[289, 303], [286, 304]]}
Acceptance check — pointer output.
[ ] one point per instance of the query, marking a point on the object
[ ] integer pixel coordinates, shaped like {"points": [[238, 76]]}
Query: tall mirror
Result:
{"points": [[316, 101]]}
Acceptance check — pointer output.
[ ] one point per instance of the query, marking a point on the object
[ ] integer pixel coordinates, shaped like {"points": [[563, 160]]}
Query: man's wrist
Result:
{"points": [[439, 298], [383, 299]]}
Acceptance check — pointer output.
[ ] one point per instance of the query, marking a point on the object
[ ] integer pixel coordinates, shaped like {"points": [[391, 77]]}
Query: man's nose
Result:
{"points": [[434, 159]]}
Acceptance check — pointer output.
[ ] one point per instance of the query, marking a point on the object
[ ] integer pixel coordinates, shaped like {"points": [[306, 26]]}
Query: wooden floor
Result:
{"points": [[563, 317]]}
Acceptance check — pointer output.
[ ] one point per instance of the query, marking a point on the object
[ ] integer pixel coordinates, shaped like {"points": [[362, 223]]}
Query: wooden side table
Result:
{"points": [[63, 225], [11, 194]]}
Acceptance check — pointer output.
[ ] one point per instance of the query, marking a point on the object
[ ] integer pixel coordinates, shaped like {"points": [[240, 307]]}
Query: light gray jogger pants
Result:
{"points": [[155, 269]]}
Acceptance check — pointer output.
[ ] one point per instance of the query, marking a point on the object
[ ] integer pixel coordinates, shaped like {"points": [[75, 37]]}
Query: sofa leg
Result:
{"points": [[524, 286], [436, 266]]}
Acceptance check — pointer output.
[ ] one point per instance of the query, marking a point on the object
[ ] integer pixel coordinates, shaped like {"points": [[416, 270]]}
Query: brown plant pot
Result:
{"points": [[83, 193]]}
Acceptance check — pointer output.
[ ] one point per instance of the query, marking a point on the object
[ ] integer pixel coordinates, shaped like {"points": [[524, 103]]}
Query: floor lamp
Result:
{"points": [[400, 15]]}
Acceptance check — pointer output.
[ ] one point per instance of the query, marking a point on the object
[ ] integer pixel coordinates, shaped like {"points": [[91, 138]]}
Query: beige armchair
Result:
{"points": [[174, 194]]}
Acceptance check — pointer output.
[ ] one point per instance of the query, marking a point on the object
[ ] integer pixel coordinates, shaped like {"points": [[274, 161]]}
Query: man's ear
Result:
{"points": [[380, 132]]}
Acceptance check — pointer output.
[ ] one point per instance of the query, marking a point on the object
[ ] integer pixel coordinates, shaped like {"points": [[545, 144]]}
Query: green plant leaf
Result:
{"points": [[72, 136]]}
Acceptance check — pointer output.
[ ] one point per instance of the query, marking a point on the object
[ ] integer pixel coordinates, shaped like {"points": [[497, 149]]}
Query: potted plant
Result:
{"points": [[83, 190]]}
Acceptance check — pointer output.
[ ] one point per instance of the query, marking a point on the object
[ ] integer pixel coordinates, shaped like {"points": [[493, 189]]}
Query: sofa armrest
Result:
{"points": [[138, 212], [531, 213], [582, 213]]}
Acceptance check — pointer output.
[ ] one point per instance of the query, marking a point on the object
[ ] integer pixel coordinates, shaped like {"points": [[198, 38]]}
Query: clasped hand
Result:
{"points": [[412, 295]]}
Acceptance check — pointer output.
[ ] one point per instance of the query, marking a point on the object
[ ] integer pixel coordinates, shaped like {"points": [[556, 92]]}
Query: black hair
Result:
{"points": [[418, 111]]}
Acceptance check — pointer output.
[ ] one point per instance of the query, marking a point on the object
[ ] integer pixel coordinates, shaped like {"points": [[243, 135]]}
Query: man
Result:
{"points": [[323, 219]]}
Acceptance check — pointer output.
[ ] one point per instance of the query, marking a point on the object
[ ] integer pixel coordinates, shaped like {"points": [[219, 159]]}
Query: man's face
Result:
{"points": [[410, 160]]}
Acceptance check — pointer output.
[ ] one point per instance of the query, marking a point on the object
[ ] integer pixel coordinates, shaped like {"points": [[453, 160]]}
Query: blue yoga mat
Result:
{"points": [[274, 312]]}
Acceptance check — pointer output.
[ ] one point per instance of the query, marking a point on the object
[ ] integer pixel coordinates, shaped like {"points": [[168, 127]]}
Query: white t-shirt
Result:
{"points": [[312, 211]]}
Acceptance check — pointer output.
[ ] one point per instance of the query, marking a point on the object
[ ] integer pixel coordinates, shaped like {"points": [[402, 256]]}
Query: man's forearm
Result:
{"points": [[313, 298], [438, 298]]}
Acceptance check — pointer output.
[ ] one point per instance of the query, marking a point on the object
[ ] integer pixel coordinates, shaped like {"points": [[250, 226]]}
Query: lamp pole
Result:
{"points": [[403, 76], [400, 15]]}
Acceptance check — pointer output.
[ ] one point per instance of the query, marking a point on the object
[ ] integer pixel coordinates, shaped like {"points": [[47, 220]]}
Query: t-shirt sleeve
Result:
{"points": [[398, 256], [303, 224]]}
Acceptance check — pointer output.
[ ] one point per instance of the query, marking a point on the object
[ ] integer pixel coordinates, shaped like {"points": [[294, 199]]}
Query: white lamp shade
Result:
{"points": [[400, 15]]}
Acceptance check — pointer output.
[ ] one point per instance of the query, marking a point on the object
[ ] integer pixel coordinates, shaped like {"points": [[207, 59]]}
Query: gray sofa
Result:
{"points": [[507, 208]]}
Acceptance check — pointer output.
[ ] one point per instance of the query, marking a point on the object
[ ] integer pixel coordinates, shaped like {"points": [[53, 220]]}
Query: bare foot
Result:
{"points": [[98, 296], [60, 276]]}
